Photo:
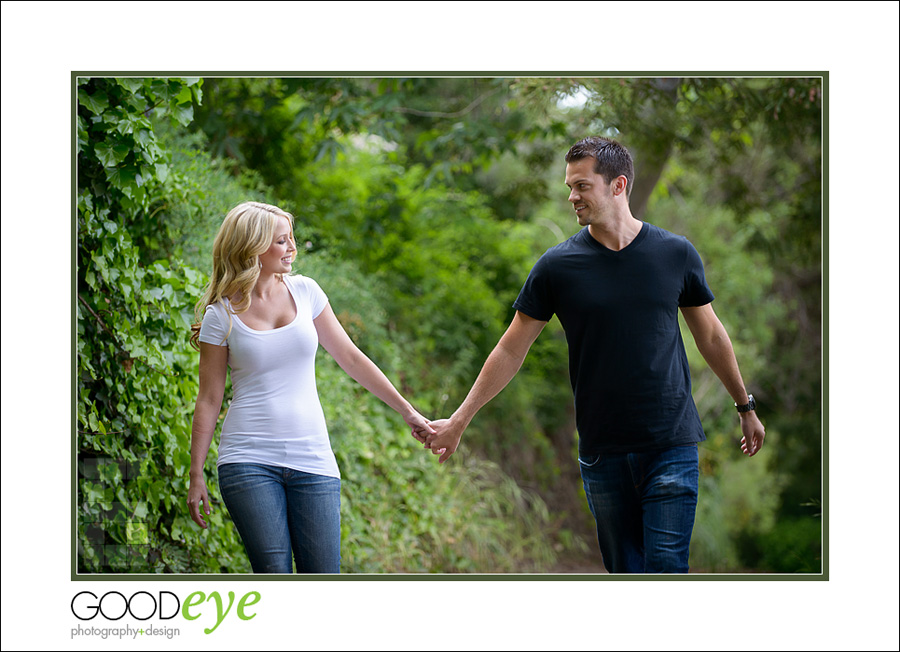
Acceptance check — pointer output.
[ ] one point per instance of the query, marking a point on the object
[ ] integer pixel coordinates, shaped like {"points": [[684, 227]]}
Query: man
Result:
{"points": [[617, 286]]}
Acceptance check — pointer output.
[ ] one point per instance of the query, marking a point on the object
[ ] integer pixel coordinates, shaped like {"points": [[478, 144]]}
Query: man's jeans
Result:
{"points": [[279, 510], [644, 505]]}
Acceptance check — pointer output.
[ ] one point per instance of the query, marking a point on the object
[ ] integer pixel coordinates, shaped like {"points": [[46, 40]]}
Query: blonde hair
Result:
{"points": [[246, 233]]}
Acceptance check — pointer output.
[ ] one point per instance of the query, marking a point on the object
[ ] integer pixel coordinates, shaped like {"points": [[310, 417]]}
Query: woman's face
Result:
{"points": [[280, 256]]}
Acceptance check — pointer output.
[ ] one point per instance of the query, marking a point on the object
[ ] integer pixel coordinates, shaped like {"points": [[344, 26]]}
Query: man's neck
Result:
{"points": [[618, 233]]}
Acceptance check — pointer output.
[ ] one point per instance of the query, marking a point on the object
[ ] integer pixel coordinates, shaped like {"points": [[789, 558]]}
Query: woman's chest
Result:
{"points": [[273, 353], [267, 315]]}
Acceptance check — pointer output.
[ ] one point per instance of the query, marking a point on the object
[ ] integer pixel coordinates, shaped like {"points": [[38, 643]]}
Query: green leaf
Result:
{"points": [[185, 96], [160, 88], [105, 153], [83, 136], [143, 137], [131, 84], [124, 178], [125, 126], [96, 103], [111, 155], [183, 114]]}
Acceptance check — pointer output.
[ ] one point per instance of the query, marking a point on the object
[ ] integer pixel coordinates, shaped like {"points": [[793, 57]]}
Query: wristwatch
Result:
{"points": [[749, 407]]}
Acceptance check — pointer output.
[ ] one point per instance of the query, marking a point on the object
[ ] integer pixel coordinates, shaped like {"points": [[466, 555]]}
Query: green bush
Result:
{"points": [[137, 378], [792, 546], [739, 500], [401, 511]]}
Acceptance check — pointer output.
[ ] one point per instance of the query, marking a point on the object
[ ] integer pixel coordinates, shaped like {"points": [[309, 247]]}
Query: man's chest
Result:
{"points": [[620, 292]]}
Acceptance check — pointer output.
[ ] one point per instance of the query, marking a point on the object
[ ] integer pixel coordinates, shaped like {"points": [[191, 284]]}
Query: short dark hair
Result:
{"points": [[611, 159]]}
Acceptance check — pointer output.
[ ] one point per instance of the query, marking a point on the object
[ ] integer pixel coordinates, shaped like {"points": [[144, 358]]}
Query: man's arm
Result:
{"points": [[715, 347], [501, 366]]}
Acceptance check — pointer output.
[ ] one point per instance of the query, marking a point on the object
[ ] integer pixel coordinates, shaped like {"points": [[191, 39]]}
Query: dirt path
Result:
{"points": [[581, 565]]}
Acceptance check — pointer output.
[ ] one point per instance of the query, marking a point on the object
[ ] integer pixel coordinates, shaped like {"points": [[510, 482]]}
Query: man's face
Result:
{"points": [[591, 195]]}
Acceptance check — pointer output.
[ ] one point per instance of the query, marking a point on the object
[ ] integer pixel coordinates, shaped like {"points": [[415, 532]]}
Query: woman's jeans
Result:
{"points": [[644, 505], [279, 510]]}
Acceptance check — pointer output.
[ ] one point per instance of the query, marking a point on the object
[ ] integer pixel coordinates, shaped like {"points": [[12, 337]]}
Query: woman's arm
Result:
{"points": [[213, 371], [354, 362]]}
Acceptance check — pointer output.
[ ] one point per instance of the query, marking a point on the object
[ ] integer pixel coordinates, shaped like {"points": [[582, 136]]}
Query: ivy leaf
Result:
{"points": [[104, 152], [131, 84], [193, 276], [83, 137], [183, 114], [111, 155], [187, 317], [124, 177], [184, 96], [126, 126], [143, 137], [96, 103], [160, 88]]}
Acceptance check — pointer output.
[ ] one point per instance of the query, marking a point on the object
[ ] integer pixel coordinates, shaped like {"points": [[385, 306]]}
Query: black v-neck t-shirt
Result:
{"points": [[619, 310]]}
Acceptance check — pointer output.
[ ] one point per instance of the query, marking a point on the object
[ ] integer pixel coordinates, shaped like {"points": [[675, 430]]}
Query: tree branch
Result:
{"points": [[456, 114], [100, 321]]}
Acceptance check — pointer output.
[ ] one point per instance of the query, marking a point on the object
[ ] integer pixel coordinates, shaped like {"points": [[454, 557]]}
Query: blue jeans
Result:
{"points": [[644, 505], [278, 511]]}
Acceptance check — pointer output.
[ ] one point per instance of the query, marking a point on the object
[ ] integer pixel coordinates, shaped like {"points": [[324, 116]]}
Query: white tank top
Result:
{"points": [[275, 416]]}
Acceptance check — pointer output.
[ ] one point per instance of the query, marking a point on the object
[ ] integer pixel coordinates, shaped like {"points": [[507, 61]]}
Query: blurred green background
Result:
{"points": [[421, 204]]}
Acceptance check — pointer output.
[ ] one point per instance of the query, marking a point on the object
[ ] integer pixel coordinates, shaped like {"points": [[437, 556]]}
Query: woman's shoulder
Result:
{"points": [[221, 307], [214, 308], [306, 288], [216, 324], [217, 312]]}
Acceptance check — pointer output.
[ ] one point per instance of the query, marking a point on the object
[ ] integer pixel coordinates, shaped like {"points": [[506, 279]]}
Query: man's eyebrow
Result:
{"points": [[577, 181]]}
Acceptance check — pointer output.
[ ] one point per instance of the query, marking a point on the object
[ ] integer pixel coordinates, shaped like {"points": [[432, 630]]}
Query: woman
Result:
{"points": [[277, 472]]}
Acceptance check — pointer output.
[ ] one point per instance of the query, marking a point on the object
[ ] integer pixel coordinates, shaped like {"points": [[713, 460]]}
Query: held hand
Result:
{"points": [[420, 426], [197, 494], [421, 433], [754, 433], [446, 439]]}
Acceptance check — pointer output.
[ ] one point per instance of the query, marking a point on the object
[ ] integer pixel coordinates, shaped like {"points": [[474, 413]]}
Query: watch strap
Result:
{"points": [[747, 407]]}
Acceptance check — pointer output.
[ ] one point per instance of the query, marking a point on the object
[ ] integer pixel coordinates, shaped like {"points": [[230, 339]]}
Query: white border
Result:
{"points": [[856, 42]]}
